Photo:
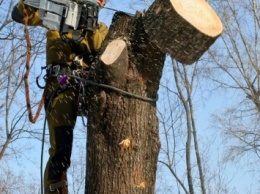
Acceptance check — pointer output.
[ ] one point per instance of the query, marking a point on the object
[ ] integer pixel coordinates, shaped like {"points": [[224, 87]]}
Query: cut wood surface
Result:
{"points": [[183, 29], [200, 15], [113, 51]]}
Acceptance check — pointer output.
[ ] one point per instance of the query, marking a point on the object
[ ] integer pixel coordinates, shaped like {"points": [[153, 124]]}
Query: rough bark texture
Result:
{"points": [[183, 29], [123, 139]]}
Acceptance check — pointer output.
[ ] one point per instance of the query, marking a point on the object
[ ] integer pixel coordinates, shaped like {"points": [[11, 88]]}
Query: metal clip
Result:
{"points": [[55, 70], [38, 77], [78, 60]]}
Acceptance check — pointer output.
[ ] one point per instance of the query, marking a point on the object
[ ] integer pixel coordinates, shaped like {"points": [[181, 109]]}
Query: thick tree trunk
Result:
{"points": [[123, 140], [183, 29]]}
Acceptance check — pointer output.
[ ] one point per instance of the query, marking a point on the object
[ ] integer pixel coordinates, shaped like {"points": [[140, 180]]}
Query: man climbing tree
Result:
{"points": [[70, 49]]}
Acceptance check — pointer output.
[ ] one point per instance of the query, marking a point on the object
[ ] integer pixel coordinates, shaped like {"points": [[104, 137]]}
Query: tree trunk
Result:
{"points": [[183, 29], [123, 140]]}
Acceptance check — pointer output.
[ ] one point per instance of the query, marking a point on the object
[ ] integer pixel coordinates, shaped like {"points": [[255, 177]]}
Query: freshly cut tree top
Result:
{"points": [[199, 14], [184, 29]]}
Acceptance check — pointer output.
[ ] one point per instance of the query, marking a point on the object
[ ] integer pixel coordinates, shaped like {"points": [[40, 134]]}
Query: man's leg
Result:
{"points": [[59, 161], [61, 117]]}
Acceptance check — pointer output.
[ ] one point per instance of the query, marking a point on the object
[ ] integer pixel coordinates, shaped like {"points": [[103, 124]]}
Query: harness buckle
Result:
{"points": [[55, 70], [78, 61]]}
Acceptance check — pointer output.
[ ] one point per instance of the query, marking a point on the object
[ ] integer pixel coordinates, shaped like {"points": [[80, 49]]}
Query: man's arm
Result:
{"points": [[18, 14], [96, 38]]}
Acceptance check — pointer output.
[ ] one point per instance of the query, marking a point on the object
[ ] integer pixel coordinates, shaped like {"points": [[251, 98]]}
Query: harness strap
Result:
{"points": [[63, 75]]}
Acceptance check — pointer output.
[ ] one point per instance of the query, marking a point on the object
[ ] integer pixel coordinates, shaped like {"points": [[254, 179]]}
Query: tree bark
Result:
{"points": [[183, 29], [123, 140]]}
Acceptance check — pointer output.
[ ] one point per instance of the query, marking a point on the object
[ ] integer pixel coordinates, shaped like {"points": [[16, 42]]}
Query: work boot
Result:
{"points": [[60, 187]]}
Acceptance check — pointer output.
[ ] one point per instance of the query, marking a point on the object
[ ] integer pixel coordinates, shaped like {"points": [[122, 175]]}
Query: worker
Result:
{"points": [[61, 104]]}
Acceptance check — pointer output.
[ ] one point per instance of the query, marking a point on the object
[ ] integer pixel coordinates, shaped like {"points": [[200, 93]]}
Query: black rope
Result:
{"points": [[116, 10], [114, 89], [42, 150], [43, 135]]}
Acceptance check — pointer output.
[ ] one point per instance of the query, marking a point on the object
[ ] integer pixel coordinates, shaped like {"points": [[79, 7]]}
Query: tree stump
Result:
{"points": [[123, 139], [182, 29]]}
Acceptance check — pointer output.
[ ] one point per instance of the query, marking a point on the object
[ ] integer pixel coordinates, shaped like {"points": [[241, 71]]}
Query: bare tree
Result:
{"points": [[12, 59], [11, 182], [14, 127], [235, 67], [181, 125]]}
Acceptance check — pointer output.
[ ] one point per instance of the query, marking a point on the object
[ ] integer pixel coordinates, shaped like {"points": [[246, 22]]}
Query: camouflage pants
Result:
{"points": [[61, 113]]}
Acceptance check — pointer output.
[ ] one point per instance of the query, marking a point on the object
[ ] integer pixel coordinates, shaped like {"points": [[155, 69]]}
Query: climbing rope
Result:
{"points": [[117, 10], [27, 71], [123, 92]]}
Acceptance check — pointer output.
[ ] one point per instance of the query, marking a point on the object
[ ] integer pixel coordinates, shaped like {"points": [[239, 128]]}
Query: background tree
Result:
{"points": [[15, 130], [235, 67], [236, 55], [178, 139], [12, 69]]}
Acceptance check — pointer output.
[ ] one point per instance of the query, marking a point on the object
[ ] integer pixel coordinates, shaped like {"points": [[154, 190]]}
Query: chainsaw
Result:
{"points": [[67, 15]]}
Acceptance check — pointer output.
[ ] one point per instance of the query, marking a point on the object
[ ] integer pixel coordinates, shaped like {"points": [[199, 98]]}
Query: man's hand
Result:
{"points": [[101, 3]]}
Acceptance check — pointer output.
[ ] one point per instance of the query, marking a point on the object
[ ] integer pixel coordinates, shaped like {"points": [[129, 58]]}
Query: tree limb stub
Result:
{"points": [[183, 29], [113, 51]]}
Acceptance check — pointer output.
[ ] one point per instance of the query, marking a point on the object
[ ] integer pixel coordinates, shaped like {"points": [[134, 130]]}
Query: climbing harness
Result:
{"points": [[69, 78]]}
